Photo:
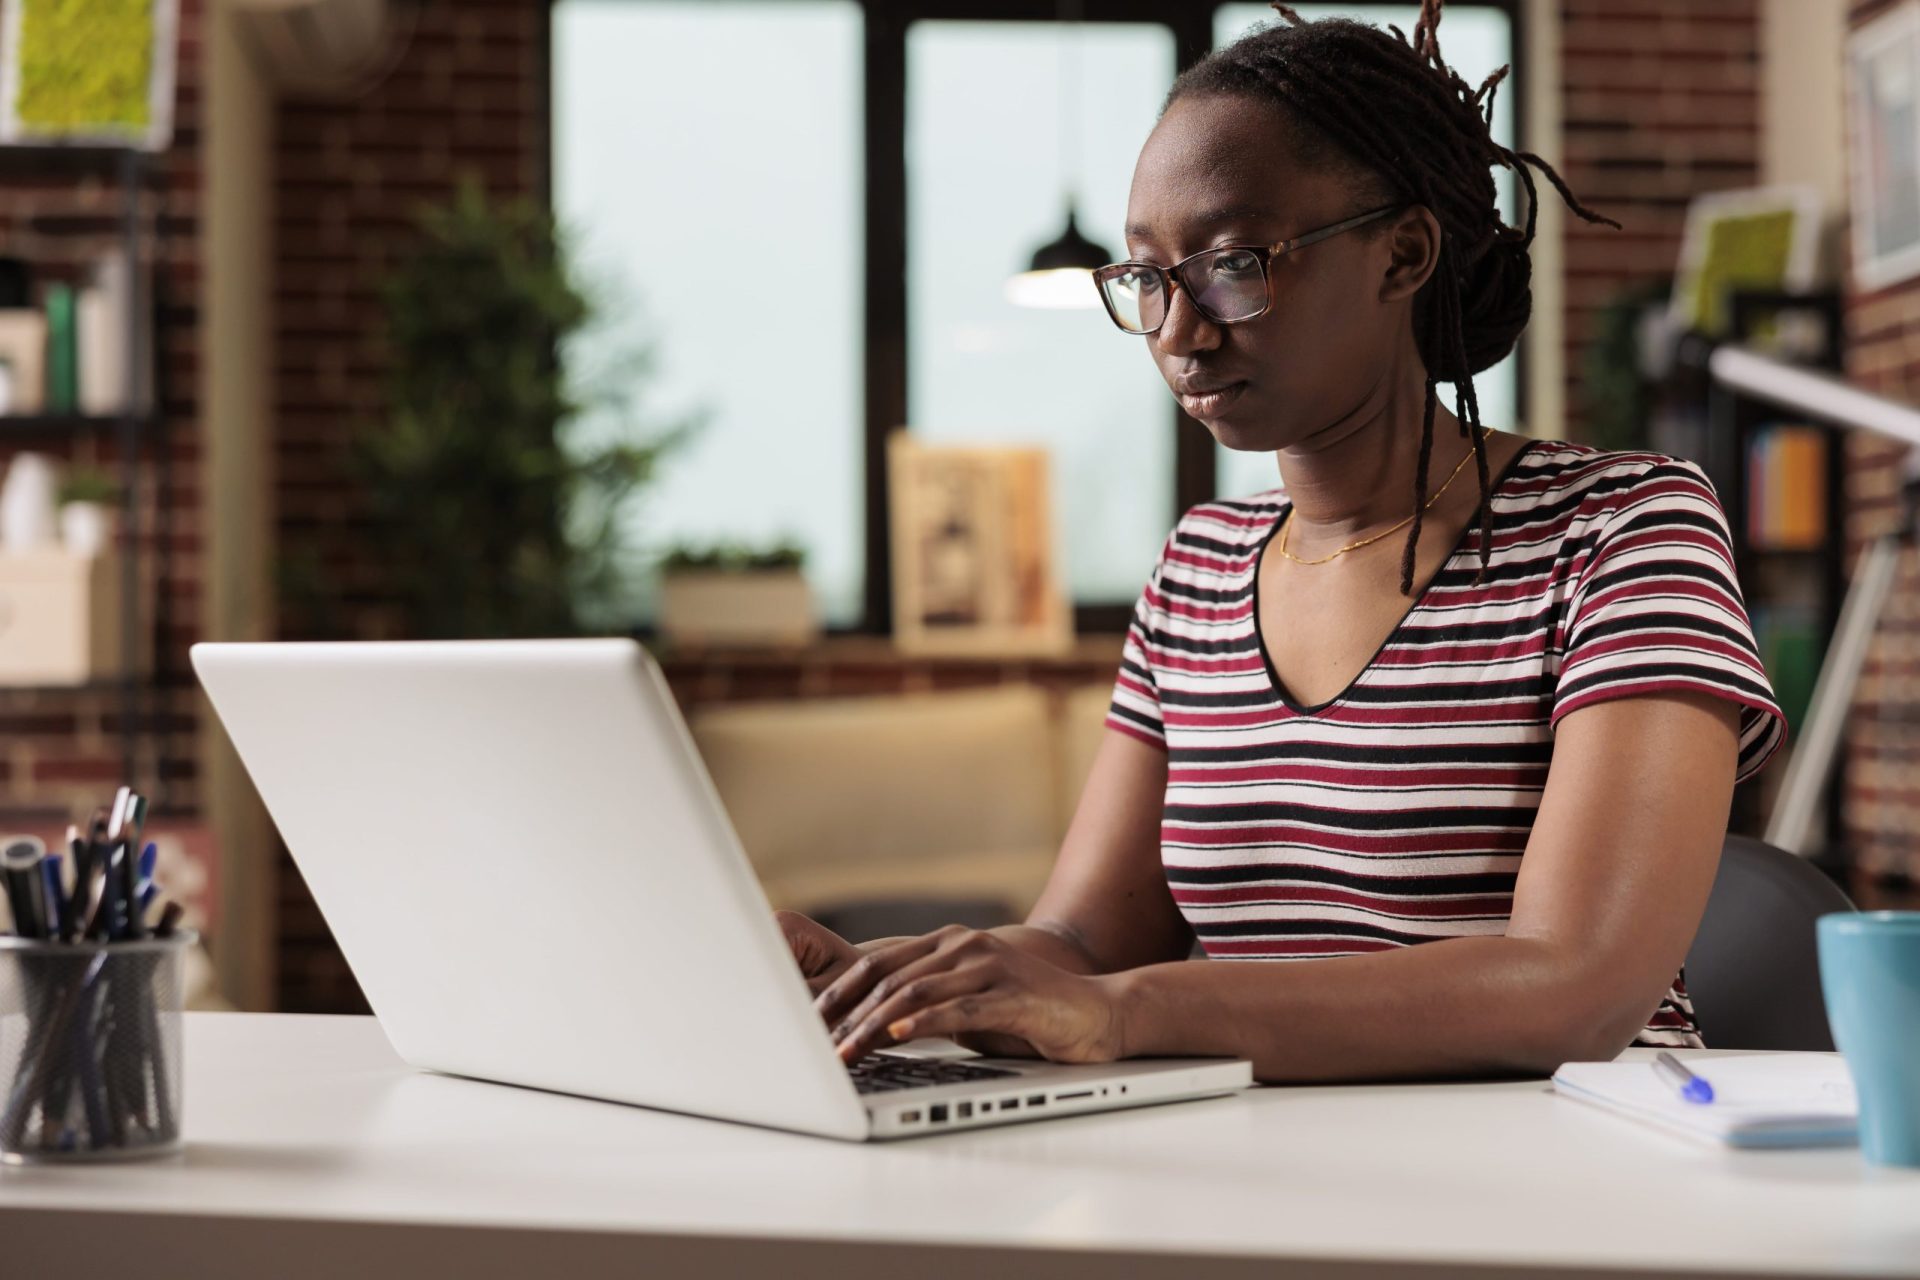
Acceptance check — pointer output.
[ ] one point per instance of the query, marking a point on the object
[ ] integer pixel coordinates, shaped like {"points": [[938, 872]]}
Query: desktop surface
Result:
{"points": [[307, 1136]]}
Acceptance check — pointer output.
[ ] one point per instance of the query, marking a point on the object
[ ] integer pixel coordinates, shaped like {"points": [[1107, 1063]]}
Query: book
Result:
{"points": [[1791, 640], [1786, 488], [1760, 1099], [63, 373]]}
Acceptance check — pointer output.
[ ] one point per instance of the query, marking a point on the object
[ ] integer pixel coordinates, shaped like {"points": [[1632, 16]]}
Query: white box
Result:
{"points": [[59, 617], [765, 607]]}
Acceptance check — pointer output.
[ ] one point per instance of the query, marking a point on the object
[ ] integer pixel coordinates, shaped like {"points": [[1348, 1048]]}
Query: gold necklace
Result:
{"points": [[1287, 525]]}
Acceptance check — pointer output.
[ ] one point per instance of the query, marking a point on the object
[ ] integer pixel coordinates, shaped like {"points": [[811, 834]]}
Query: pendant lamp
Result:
{"points": [[1060, 274]]}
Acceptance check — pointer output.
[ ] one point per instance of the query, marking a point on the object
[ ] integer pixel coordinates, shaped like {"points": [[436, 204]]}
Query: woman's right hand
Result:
{"points": [[822, 954]]}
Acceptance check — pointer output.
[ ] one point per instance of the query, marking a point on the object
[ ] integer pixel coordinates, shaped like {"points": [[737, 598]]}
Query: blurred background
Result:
{"points": [[760, 329]]}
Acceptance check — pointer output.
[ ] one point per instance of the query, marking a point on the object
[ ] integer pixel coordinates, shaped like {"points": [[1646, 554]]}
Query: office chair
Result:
{"points": [[1753, 971]]}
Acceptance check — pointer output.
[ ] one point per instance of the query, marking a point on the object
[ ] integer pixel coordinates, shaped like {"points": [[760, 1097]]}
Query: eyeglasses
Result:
{"points": [[1226, 285]]}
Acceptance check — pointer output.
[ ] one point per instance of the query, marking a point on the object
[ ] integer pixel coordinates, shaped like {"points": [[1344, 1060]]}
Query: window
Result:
{"points": [[1475, 40], [733, 238], [723, 214], [989, 161]]}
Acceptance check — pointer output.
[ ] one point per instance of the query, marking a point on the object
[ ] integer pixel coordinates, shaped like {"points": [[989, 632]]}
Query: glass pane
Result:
{"points": [[990, 157], [682, 226], [1475, 40]]}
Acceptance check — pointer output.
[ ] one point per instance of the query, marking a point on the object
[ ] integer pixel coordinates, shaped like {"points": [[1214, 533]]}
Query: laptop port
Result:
{"points": [[963, 1111], [1009, 1104], [937, 1114], [985, 1107], [1037, 1100], [1065, 1097], [910, 1117]]}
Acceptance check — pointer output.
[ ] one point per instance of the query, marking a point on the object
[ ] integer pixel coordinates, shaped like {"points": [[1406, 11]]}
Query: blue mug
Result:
{"points": [[1870, 975]]}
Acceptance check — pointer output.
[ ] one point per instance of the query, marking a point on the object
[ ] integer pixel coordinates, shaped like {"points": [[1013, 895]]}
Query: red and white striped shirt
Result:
{"points": [[1397, 812]]}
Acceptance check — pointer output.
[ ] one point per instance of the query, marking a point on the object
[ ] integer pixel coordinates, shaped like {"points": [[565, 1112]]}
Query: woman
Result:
{"points": [[1513, 744]]}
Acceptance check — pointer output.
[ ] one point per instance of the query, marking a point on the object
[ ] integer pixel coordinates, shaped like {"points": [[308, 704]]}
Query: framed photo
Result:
{"points": [[974, 569], [1883, 64], [1765, 238], [99, 73]]}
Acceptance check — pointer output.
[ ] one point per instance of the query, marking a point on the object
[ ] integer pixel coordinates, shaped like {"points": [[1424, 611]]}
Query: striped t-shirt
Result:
{"points": [[1397, 812]]}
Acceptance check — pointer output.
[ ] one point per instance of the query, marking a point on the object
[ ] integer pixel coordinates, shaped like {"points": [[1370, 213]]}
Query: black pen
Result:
{"points": [[99, 904], [121, 875], [26, 890], [56, 896], [82, 854]]}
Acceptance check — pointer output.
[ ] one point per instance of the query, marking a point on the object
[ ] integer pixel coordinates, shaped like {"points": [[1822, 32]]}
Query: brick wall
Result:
{"points": [[1882, 803], [466, 94], [1661, 103], [60, 750]]}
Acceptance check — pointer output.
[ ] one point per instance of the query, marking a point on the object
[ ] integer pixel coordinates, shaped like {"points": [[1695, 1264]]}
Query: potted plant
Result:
{"points": [[87, 496], [732, 594], [497, 516]]}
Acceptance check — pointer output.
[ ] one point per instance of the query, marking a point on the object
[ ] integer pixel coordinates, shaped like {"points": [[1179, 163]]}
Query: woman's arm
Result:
{"points": [[1616, 875], [1106, 906], [1617, 870]]}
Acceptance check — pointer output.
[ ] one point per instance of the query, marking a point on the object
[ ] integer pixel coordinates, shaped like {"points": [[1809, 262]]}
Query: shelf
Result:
{"points": [[41, 425], [98, 684], [99, 158]]}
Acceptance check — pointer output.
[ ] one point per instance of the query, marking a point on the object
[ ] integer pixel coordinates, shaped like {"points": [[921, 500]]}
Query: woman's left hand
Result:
{"points": [[977, 988]]}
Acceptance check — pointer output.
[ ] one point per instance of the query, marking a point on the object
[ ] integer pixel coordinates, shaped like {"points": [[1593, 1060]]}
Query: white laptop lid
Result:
{"points": [[525, 863]]}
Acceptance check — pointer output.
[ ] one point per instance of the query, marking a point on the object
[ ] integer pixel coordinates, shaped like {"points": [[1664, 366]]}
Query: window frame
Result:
{"points": [[885, 309]]}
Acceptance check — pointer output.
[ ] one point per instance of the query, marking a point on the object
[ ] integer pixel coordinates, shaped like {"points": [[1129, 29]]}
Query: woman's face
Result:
{"points": [[1219, 171]]}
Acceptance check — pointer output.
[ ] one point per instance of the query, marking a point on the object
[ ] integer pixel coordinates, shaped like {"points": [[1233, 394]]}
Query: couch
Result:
{"points": [[894, 814]]}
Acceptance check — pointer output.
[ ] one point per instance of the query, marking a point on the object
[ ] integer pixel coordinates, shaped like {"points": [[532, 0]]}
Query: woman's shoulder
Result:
{"points": [[1588, 480], [1227, 526], [1575, 463]]}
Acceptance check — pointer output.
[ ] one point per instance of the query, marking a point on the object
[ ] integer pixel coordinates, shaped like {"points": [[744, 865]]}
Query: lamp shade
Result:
{"points": [[1061, 273]]}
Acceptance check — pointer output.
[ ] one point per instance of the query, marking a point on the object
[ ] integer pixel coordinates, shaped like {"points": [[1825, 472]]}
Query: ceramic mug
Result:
{"points": [[1870, 975]]}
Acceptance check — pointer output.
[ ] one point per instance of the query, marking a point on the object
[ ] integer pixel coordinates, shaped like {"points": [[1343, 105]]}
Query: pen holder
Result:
{"points": [[90, 1048]]}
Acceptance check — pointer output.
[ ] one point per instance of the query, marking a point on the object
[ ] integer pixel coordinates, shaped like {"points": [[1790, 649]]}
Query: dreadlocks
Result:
{"points": [[1389, 107]]}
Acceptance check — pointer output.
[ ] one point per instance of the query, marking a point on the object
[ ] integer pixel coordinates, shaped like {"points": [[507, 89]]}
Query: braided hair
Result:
{"points": [[1389, 107]]}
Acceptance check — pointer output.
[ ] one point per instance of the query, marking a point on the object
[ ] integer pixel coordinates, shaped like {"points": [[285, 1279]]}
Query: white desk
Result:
{"points": [[313, 1151]]}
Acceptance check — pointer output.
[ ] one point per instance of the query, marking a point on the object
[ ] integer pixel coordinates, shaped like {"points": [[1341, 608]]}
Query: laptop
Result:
{"points": [[521, 855]]}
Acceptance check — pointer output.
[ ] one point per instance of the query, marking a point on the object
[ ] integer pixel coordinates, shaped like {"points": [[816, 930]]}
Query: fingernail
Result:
{"points": [[898, 1030]]}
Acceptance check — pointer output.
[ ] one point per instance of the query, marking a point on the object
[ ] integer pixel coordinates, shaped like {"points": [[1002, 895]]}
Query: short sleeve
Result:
{"points": [[1656, 606], [1135, 709]]}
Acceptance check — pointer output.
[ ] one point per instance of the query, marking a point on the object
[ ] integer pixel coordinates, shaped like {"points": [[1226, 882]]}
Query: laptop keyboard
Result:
{"points": [[883, 1073]]}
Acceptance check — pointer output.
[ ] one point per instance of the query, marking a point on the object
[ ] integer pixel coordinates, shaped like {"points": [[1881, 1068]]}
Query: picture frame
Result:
{"points": [[132, 82], [1883, 86], [974, 569], [1759, 238]]}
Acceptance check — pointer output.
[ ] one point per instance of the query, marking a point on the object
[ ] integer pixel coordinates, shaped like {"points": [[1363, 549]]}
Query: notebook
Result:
{"points": [[1760, 1100]]}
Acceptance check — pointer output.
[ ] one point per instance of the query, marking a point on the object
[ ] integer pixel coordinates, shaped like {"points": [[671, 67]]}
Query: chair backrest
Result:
{"points": [[1754, 971]]}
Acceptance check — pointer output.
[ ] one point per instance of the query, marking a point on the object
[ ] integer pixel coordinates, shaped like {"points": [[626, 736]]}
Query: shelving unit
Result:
{"points": [[1707, 422], [136, 430]]}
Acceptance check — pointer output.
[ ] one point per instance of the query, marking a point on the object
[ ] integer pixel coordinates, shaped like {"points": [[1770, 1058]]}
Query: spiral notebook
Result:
{"points": [[1760, 1100]]}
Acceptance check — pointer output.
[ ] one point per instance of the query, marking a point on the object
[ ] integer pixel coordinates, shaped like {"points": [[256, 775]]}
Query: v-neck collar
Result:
{"points": [[1419, 598]]}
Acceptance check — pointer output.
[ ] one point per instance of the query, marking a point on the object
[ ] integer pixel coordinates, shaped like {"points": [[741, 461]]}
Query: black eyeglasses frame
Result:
{"points": [[1169, 276]]}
